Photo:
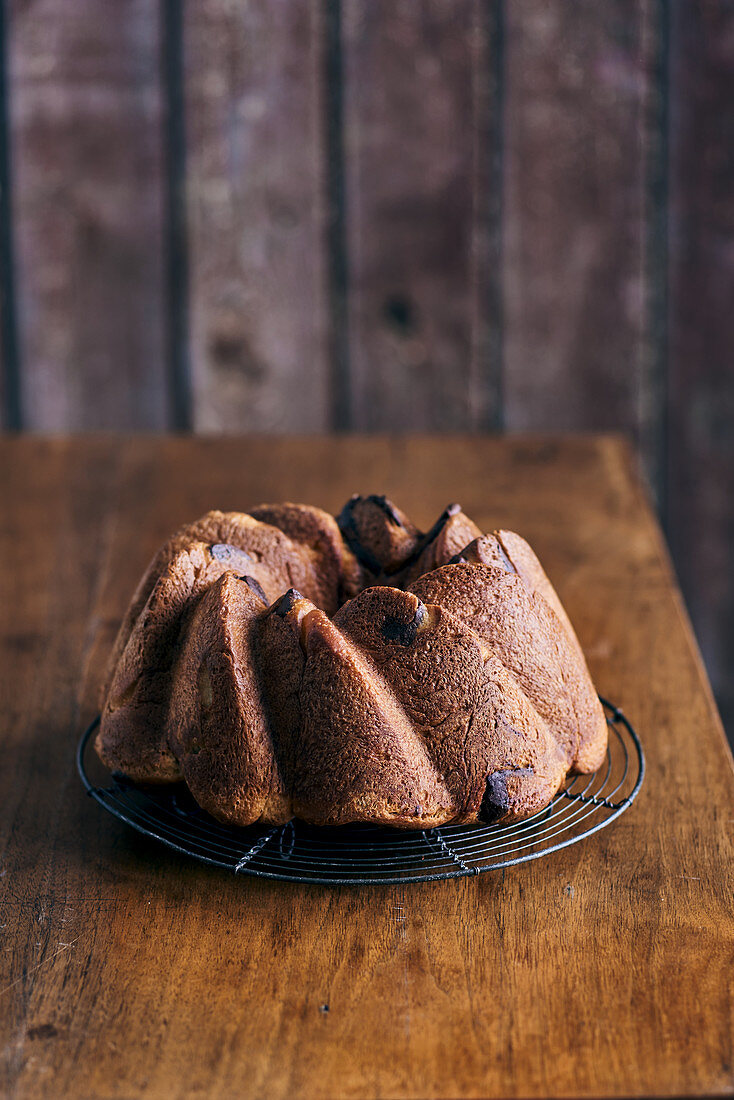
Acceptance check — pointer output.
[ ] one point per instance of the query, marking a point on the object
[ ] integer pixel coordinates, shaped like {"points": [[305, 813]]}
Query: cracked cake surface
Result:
{"points": [[287, 663]]}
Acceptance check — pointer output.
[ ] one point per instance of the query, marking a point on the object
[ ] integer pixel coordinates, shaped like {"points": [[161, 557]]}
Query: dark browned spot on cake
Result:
{"points": [[449, 511], [458, 559], [348, 527], [286, 602], [433, 533], [496, 800], [256, 587], [401, 633], [387, 507], [222, 551]]}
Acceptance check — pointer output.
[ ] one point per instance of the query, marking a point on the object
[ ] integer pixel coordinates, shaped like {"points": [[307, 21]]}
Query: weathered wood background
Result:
{"points": [[330, 215]]}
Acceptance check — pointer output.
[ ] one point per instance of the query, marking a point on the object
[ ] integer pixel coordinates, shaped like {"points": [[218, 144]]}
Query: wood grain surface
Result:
{"points": [[576, 85], [255, 140], [604, 970], [87, 178], [10, 413], [420, 131], [701, 382]]}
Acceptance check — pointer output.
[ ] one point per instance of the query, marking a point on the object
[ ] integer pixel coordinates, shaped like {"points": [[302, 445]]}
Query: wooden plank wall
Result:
{"points": [[257, 256], [700, 380], [85, 105], [360, 215]]}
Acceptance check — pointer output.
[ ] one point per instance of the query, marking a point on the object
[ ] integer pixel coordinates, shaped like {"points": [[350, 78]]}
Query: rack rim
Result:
{"points": [[435, 843]]}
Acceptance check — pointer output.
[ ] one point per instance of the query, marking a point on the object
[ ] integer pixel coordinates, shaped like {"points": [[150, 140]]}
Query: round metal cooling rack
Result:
{"points": [[363, 854]]}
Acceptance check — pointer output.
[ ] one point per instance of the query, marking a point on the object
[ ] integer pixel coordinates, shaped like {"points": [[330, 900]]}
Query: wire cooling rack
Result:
{"points": [[363, 854]]}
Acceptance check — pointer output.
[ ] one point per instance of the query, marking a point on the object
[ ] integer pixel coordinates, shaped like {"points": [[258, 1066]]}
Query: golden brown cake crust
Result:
{"points": [[525, 634], [379, 534], [218, 728], [469, 713], [133, 732], [509, 551], [449, 534], [337, 572], [360, 758], [286, 663], [277, 562]]}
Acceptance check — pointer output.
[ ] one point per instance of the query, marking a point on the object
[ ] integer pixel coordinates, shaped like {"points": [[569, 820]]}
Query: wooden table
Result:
{"points": [[126, 971]]}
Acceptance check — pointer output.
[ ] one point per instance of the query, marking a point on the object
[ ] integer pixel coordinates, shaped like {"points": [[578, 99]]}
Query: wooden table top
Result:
{"points": [[128, 971]]}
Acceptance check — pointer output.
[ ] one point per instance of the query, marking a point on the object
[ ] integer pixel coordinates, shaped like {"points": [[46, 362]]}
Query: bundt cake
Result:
{"points": [[285, 663]]}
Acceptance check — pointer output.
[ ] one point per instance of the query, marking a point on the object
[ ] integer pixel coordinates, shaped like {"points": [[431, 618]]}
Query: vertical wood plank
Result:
{"points": [[87, 182], [652, 362], [177, 253], [701, 450], [256, 215], [338, 343], [574, 171], [421, 131], [10, 410]]}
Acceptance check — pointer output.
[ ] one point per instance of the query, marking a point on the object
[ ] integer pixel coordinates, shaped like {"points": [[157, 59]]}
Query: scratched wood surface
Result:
{"points": [[603, 970]]}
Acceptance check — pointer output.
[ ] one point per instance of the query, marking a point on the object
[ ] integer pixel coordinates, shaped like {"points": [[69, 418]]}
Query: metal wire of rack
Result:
{"points": [[364, 854]]}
